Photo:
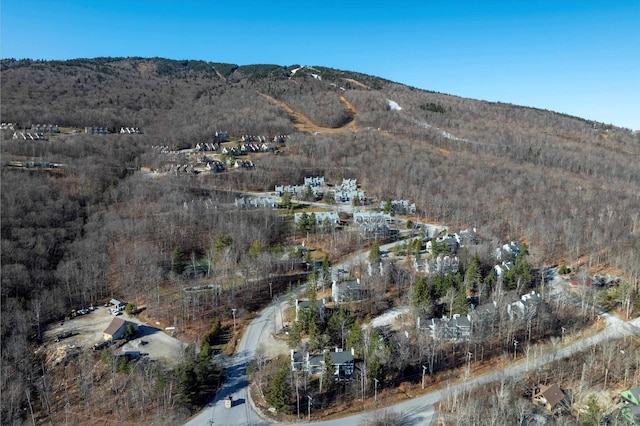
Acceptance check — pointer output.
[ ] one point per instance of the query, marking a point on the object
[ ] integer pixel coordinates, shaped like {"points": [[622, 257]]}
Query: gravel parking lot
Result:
{"points": [[84, 331]]}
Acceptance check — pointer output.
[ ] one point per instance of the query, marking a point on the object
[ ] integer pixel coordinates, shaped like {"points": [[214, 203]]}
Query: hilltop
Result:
{"points": [[517, 172]]}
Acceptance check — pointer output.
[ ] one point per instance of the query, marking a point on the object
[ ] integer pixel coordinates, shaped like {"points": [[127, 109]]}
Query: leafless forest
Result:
{"points": [[99, 228]]}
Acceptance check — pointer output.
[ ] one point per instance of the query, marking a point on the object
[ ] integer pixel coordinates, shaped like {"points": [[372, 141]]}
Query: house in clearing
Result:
{"points": [[304, 305], [526, 307], [550, 396], [343, 363], [455, 328], [345, 291], [117, 329], [508, 251]]}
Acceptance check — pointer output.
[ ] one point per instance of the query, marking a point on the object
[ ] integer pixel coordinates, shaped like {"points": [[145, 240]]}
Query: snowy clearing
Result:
{"points": [[393, 105], [388, 317]]}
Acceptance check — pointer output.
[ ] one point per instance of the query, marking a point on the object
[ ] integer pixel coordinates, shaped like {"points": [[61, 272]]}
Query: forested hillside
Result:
{"points": [[99, 225]]}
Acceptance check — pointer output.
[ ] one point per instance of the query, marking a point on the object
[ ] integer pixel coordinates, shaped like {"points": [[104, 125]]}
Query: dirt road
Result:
{"points": [[304, 124]]}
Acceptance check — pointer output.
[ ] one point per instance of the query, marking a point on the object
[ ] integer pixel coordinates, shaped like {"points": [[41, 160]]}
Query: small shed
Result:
{"points": [[116, 329], [118, 304]]}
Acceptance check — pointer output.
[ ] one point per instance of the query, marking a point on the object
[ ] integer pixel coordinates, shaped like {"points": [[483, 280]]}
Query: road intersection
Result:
{"points": [[419, 410]]}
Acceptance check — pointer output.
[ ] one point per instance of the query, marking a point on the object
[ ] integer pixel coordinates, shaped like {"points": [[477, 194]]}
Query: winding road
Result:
{"points": [[416, 411]]}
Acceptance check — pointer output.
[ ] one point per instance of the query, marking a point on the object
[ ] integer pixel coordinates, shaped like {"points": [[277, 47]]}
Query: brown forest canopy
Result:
{"points": [[567, 186]]}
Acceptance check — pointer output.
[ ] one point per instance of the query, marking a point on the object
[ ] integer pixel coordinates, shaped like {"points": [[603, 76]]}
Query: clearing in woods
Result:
{"points": [[304, 124]]}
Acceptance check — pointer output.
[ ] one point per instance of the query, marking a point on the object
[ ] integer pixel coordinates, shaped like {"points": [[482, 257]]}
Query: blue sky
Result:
{"points": [[577, 57]]}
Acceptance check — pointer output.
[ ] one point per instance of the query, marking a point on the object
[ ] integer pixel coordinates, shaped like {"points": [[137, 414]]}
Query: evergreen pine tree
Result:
{"points": [[473, 274], [328, 378], [278, 396], [177, 263]]}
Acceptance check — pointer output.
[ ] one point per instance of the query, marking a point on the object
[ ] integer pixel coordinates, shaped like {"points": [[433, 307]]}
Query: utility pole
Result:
{"points": [[469, 362], [233, 311], [309, 407], [515, 348], [424, 369], [375, 389], [275, 323]]}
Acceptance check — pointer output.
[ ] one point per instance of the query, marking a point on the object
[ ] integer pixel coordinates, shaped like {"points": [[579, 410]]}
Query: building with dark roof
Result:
{"points": [[117, 329]]}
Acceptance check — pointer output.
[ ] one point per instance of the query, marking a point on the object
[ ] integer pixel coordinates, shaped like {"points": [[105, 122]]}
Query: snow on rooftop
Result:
{"points": [[394, 105]]}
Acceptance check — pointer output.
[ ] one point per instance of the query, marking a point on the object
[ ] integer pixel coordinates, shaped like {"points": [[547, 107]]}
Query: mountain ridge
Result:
{"points": [[181, 103], [179, 68]]}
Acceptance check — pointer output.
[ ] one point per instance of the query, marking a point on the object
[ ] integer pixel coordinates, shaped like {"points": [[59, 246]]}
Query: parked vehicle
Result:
{"points": [[63, 335]]}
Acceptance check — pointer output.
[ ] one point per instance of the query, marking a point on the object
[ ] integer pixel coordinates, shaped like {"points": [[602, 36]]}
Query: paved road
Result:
{"points": [[420, 411], [417, 411], [236, 384]]}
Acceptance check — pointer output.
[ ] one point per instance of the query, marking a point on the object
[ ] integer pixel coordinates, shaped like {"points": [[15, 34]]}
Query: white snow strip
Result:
{"points": [[295, 70], [316, 76], [442, 133], [394, 105]]}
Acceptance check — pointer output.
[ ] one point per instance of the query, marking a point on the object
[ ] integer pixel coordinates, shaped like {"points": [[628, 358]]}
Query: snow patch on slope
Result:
{"points": [[442, 133], [393, 105]]}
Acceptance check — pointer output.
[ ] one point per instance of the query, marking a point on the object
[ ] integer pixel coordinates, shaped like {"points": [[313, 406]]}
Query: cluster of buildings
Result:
{"points": [[506, 254], [40, 131], [215, 166], [96, 130], [298, 191], [445, 261], [314, 185], [130, 131], [399, 207], [348, 191], [508, 251], [320, 218], [250, 203], [460, 327], [45, 128], [373, 224], [45, 165], [314, 181], [343, 363], [30, 136], [439, 265], [242, 149]]}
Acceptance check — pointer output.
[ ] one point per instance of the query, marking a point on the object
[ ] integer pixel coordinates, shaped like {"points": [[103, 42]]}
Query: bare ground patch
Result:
{"points": [[86, 330]]}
